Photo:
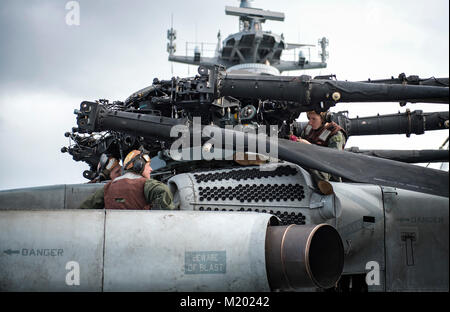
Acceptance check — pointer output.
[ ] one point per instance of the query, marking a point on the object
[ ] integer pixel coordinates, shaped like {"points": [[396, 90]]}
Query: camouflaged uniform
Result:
{"points": [[330, 135], [131, 191]]}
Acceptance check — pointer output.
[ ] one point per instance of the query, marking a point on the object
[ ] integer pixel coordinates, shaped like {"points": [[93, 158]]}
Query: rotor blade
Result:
{"points": [[406, 156], [356, 167], [415, 122], [365, 169], [205, 61], [307, 91], [413, 80], [292, 65]]}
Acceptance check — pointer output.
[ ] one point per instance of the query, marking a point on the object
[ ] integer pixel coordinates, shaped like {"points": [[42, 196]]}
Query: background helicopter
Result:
{"points": [[364, 220], [251, 49]]}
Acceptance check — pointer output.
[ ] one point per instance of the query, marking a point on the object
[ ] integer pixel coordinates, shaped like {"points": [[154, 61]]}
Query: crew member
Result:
{"points": [[321, 132], [134, 189], [108, 168]]}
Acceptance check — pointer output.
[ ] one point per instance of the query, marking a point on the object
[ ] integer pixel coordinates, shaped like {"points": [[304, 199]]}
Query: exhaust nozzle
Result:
{"points": [[299, 256]]}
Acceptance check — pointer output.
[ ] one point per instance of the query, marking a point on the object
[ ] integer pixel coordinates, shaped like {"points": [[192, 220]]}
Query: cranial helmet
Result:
{"points": [[136, 161], [106, 165]]}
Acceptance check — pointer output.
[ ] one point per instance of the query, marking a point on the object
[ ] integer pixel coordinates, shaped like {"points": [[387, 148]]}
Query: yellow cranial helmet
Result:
{"points": [[136, 161]]}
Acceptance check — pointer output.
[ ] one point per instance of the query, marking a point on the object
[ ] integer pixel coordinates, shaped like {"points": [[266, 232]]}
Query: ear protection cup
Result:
{"points": [[102, 163], [136, 161], [139, 164], [326, 116]]}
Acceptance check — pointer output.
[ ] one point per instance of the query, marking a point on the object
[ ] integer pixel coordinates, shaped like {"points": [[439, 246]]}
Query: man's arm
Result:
{"points": [[158, 194], [95, 201]]}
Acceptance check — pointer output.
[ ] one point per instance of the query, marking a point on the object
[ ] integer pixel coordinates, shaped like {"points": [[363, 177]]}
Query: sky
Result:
{"points": [[48, 67]]}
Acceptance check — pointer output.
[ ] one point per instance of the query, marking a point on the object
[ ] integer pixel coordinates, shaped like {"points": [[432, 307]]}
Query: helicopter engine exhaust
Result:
{"points": [[300, 256], [131, 250]]}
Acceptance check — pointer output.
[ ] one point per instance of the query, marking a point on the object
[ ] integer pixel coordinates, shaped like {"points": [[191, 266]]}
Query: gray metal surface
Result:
{"points": [[312, 208], [36, 246], [405, 232], [265, 14], [363, 241], [185, 251], [254, 68], [75, 194], [189, 188], [416, 241], [142, 250], [65, 196], [43, 197]]}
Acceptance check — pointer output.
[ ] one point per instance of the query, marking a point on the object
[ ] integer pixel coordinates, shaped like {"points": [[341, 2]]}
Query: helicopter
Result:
{"points": [[291, 235], [251, 49], [370, 234]]}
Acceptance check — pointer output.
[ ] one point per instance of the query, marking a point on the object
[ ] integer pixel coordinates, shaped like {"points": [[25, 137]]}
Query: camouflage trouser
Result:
{"points": [[337, 141], [317, 176]]}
